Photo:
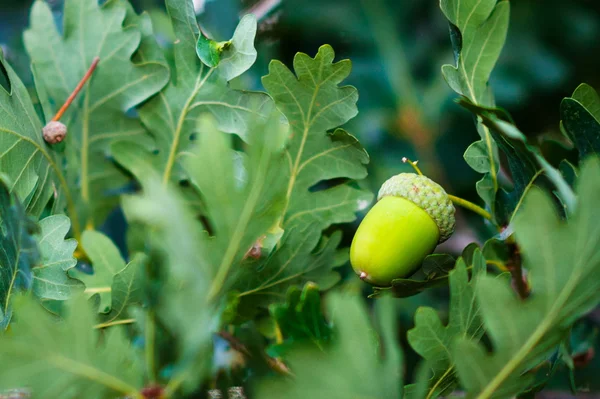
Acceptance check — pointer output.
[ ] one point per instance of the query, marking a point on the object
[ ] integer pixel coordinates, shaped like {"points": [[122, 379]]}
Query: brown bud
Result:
{"points": [[54, 132], [152, 392], [581, 360]]}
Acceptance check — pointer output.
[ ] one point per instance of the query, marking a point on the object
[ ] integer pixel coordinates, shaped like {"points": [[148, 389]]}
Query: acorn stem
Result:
{"points": [[78, 88], [470, 206], [413, 164], [456, 200]]}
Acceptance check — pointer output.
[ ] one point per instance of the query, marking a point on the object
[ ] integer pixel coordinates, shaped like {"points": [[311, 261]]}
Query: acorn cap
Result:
{"points": [[427, 195]]}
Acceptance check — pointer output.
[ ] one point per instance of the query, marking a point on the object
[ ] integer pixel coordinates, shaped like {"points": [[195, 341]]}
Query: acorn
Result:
{"points": [[413, 214]]}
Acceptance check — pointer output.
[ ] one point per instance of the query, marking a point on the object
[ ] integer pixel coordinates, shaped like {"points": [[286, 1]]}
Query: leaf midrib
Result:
{"points": [[307, 126], [177, 134], [488, 138], [240, 229], [93, 374], [534, 338], [272, 282], [14, 274]]}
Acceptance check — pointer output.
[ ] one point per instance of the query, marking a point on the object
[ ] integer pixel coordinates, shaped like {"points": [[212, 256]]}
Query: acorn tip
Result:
{"points": [[363, 275]]}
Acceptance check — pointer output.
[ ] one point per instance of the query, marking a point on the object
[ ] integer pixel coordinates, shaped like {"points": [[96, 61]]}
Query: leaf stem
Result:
{"points": [[564, 190], [471, 206], [497, 264], [413, 164], [77, 89], [114, 323], [174, 384], [93, 374], [456, 200], [150, 338], [525, 191]]}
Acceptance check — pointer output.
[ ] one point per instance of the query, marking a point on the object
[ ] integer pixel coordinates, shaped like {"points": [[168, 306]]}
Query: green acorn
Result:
{"points": [[412, 216]]}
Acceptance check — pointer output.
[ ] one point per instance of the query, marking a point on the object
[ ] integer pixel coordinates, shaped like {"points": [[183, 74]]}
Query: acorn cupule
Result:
{"points": [[413, 215]]}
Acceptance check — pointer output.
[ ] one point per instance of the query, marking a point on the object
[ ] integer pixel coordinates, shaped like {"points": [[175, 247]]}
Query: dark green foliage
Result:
{"points": [[237, 206], [19, 251], [433, 272], [581, 120], [300, 319]]}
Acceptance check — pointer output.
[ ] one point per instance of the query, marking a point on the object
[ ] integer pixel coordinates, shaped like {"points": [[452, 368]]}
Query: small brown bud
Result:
{"points": [[54, 132], [152, 392]]}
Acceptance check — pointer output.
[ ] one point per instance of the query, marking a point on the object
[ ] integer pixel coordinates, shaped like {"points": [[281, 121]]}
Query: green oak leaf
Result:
{"points": [[317, 152], [98, 117], [106, 263], [432, 273], [118, 285], [561, 271], [482, 25], [300, 319], [184, 274], [27, 162], [67, 358], [478, 32], [580, 116], [19, 252], [202, 259], [240, 54], [352, 366], [303, 256], [568, 171], [432, 340], [314, 104], [51, 280], [126, 290], [240, 212], [209, 51], [233, 57], [193, 89], [521, 153]]}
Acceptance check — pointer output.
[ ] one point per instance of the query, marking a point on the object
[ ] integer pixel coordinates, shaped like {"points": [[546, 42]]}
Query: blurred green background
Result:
{"points": [[406, 109]]}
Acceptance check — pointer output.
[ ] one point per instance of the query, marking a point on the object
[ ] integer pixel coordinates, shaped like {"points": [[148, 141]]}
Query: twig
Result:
{"points": [[470, 206], [514, 266], [78, 88]]}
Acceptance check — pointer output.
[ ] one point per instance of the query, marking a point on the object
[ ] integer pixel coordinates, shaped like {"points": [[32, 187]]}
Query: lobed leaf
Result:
{"points": [[433, 272], [116, 284], [19, 252], [478, 29], [126, 290], [522, 163], [193, 89], [580, 116], [300, 319], [314, 104], [432, 340], [235, 56], [180, 299], [106, 263], [560, 267], [29, 165], [98, 117], [66, 358], [302, 257], [240, 212], [352, 366], [51, 280]]}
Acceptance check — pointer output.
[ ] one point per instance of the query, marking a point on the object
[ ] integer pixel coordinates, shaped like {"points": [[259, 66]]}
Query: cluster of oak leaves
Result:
{"points": [[231, 231]]}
